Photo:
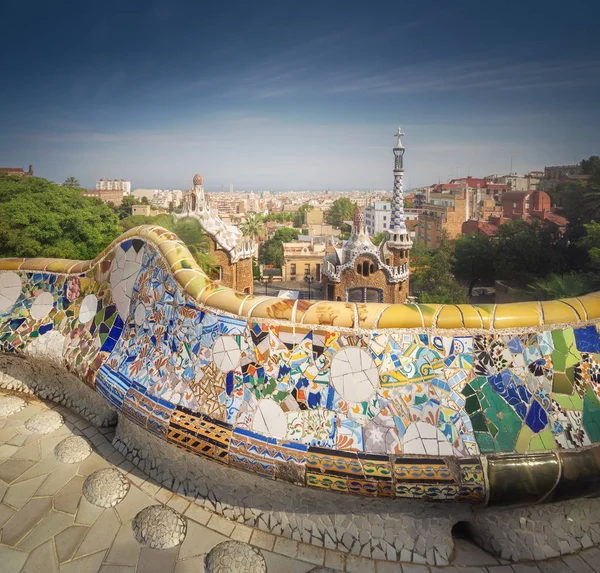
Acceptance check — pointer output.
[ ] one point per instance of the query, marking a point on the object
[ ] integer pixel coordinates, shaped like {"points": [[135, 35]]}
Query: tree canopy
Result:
{"points": [[71, 182], [252, 226], [475, 257], [433, 280], [341, 210], [39, 218]]}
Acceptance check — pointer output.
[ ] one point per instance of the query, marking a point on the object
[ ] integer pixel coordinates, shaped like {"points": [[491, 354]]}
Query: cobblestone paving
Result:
{"points": [[49, 527]]}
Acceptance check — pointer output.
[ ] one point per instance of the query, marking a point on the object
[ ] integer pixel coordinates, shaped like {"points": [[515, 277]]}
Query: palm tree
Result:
{"points": [[252, 226], [563, 286], [71, 182]]}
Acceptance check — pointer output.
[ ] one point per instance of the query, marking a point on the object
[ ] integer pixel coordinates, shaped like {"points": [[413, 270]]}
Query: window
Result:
{"points": [[514, 205], [365, 268], [307, 269], [293, 269], [385, 225]]}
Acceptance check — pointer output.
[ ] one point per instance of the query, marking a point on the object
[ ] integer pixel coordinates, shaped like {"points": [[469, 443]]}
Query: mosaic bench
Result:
{"points": [[491, 405]]}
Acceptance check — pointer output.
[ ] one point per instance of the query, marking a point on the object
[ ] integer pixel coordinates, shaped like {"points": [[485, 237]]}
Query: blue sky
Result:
{"points": [[290, 95]]}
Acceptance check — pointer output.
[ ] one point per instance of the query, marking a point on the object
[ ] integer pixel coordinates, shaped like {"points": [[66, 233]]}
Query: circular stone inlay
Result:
{"points": [[159, 527], [89, 307], [106, 487], [72, 450], [226, 353], [354, 374], [11, 405], [44, 422], [42, 305], [234, 556], [10, 289]]}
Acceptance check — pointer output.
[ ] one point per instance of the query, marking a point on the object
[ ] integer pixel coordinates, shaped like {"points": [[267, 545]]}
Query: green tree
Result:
{"points": [[124, 209], [71, 182], [252, 226], [591, 243], [341, 210], [286, 234], [39, 218], [378, 238], [189, 230], [563, 286], [271, 253], [299, 218], [434, 282], [474, 259], [528, 250]]}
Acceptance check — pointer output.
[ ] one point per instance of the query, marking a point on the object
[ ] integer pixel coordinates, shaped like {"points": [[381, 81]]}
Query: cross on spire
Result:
{"points": [[399, 134]]}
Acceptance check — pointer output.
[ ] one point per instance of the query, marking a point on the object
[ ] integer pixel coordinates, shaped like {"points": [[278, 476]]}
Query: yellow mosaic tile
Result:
{"points": [[40, 264], [301, 308], [197, 285], [227, 300], [557, 312], [12, 264], [329, 313], [210, 289], [368, 313], [81, 267], [251, 302], [591, 303], [401, 316], [449, 317], [575, 303], [429, 312], [485, 312], [61, 265], [167, 246], [517, 315], [185, 276], [279, 308], [471, 316]]}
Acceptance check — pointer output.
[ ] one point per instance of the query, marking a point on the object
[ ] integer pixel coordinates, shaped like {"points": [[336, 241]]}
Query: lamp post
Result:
{"points": [[266, 281], [308, 279]]}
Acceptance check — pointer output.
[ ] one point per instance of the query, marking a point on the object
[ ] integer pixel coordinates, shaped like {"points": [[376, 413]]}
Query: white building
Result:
{"points": [[114, 185], [378, 217]]}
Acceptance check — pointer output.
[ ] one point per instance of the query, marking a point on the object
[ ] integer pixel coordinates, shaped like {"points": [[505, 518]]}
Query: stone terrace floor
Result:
{"points": [[48, 526]]}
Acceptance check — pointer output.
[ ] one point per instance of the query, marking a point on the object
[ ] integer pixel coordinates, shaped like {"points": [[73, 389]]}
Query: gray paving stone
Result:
{"points": [[87, 513], [11, 559], [554, 566], [10, 470], [281, 564], [5, 514], [19, 494], [125, 549], [193, 565], [116, 569], [592, 558], [199, 540], [414, 568], [67, 541], [52, 524], [157, 560], [41, 560], [525, 568], [24, 519], [101, 535], [67, 499], [577, 564], [87, 564]]}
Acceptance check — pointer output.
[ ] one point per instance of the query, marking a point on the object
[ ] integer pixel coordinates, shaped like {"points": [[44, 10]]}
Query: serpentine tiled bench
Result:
{"points": [[492, 405]]}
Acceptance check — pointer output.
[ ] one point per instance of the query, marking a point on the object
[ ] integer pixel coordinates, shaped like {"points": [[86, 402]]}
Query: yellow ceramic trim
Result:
{"points": [[327, 313]]}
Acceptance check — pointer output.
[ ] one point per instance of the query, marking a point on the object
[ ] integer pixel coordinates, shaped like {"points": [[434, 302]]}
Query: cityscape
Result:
{"points": [[300, 288]]}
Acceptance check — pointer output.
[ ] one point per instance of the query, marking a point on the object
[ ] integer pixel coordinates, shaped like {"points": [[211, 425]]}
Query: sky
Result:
{"points": [[296, 95]]}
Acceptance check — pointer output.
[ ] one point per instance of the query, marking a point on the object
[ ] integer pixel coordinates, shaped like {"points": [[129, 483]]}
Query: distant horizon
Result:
{"points": [[285, 96]]}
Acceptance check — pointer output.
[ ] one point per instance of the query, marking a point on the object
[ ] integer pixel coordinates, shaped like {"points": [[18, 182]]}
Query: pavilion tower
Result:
{"points": [[398, 240]]}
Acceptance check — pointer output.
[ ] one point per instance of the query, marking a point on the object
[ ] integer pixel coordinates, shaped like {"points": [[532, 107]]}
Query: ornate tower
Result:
{"points": [[398, 239]]}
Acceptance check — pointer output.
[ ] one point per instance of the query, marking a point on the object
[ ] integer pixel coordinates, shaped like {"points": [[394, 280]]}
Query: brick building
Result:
{"points": [[114, 196], [232, 251]]}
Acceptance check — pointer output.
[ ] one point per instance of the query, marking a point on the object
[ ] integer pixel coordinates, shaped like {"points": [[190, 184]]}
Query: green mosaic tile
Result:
{"points": [[486, 443], [561, 384], [542, 441], [479, 423], [591, 415], [559, 361]]}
